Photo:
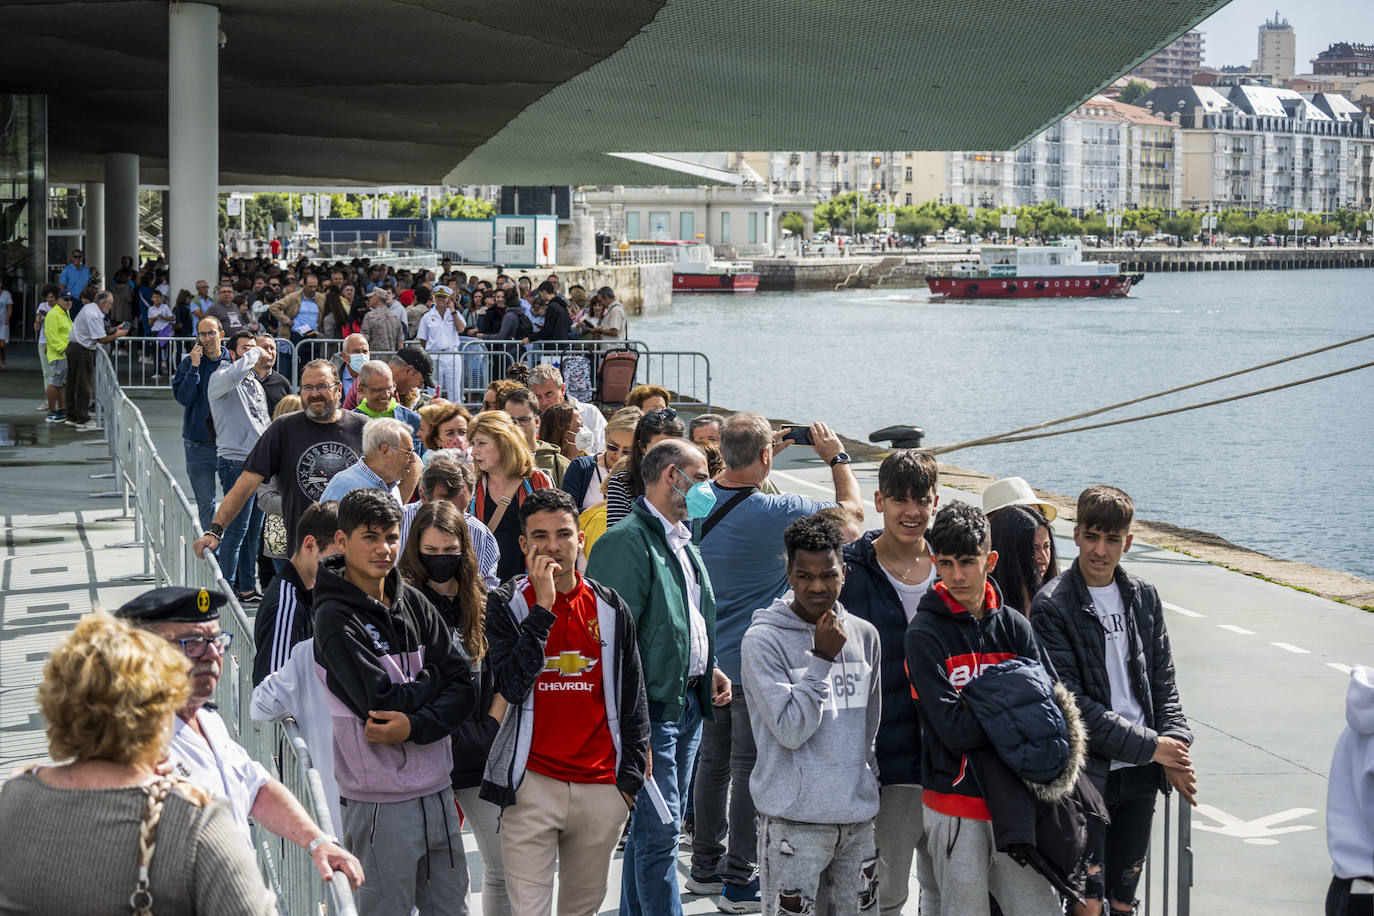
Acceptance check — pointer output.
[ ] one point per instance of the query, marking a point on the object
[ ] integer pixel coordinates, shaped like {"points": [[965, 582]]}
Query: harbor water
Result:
{"points": [[1286, 473]]}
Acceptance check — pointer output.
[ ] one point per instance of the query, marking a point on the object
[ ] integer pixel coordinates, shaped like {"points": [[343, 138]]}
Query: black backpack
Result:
{"points": [[523, 328]]}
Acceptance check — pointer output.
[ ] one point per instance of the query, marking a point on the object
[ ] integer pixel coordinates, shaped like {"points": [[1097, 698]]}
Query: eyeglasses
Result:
{"points": [[196, 646], [207, 333], [312, 389], [78, 257], [614, 449]]}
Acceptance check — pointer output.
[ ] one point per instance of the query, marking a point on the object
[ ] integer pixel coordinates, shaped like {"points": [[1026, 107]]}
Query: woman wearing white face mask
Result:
{"points": [[585, 475], [441, 562], [561, 425]]}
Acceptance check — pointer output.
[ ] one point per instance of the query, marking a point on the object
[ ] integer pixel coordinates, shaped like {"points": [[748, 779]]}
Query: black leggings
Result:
{"points": [[1340, 902]]}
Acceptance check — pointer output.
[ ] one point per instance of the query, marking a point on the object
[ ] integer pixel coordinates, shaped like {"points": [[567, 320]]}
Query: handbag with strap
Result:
{"points": [[141, 900]]}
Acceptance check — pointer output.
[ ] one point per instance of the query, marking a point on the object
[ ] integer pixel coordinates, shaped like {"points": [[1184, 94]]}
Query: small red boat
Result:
{"points": [[1032, 272], [696, 269]]}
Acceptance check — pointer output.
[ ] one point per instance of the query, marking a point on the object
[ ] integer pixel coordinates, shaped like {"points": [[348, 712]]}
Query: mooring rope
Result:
{"points": [[1017, 435]]}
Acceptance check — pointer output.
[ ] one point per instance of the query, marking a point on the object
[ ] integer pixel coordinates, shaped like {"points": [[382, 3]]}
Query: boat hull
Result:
{"points": [[715, 283], [1029, 287]]}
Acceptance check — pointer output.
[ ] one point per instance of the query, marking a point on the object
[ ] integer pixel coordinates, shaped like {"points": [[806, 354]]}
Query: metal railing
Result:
{"points": [[1171, 855], [165, 529]]}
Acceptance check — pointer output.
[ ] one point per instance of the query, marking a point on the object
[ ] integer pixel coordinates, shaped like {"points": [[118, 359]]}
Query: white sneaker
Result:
{"points": [[87, 427]]}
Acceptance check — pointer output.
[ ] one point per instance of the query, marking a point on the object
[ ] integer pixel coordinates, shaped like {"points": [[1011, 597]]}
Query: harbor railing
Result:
{"points": [[1166, 883], [165, 530], [463, 373]]}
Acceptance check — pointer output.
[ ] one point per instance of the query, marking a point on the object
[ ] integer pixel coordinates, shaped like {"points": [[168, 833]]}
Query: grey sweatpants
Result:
{"points": [[900, 834], [968, 868], [817, 868], [411, 853]]}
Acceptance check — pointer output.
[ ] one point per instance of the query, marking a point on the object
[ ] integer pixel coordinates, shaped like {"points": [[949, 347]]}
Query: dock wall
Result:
{"points": [[790, 274]]}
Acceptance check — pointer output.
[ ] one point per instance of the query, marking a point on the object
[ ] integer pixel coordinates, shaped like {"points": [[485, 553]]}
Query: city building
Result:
{"points": [[745, 218], [1103, 156], [1345, 59], [1263, 148], [1175, 63], [1276, 49]]}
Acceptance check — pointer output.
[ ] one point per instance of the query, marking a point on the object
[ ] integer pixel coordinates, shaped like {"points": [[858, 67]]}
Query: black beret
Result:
{"points": [[175, 604]]}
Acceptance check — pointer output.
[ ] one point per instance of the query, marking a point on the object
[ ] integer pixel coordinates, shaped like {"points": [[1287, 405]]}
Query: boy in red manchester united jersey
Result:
{"points": [[569, 758]]}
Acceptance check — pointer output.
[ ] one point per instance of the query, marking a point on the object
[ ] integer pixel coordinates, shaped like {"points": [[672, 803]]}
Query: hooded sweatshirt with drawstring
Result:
{"points": [[814, 721], [1350, 792], [403, 658]]}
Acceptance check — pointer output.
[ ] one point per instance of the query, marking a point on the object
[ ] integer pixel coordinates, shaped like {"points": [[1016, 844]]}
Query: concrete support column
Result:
{"points": [[193, 142], [93, 219], [121, 211]]}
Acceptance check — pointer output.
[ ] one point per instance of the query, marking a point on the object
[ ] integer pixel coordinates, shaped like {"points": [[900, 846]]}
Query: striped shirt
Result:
{"points": [[483, 541], [285, 617]]}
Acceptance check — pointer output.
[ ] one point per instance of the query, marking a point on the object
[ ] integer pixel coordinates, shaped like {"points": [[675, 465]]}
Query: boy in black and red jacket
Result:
{"points": [[962, 628]]}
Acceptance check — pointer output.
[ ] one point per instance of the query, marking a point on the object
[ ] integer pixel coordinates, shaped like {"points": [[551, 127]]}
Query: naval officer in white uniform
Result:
{"points": [[202, 751]]}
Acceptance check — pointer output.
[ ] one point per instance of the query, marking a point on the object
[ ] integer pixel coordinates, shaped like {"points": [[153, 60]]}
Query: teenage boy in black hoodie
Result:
{"points": [[886, 574], [961, 628], [399, 684], [1105, 630]]}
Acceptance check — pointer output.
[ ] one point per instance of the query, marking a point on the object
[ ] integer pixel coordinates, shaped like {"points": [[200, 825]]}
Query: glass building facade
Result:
{"points": [[24, 252]]}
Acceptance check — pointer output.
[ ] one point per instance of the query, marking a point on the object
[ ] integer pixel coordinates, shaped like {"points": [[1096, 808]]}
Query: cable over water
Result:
{"points": [[1015, 435]]}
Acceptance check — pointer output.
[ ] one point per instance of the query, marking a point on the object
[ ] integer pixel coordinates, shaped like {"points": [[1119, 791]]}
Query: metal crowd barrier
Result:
{"points": [[1170, 853], [165, 528]]}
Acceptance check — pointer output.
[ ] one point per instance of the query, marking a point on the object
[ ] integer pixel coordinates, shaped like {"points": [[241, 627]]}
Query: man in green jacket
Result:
{"points": [[651, 562]]}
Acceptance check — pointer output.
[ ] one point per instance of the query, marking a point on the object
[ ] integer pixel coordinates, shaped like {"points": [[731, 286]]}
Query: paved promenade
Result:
{"points": [[1262, 668]]}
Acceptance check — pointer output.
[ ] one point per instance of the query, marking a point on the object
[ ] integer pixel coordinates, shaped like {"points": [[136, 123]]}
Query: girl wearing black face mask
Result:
{"points": [[441, 562]]}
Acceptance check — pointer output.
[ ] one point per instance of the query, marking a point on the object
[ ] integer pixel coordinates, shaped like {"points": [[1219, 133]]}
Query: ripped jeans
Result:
{"points": [[817, 868], [1130, 794]]}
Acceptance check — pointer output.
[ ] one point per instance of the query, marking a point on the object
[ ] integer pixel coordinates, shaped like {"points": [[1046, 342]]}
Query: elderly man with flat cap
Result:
{"points": [[202, 751]]}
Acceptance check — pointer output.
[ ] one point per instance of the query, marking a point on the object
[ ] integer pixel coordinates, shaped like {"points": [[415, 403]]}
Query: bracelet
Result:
{"points": [[320, 841], [216, 530]]}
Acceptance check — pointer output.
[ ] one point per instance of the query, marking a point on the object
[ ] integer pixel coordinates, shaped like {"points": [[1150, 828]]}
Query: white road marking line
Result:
{"points": [[1343, 669], [803, 481], [1181, 610], [1235, 629], [1289, 647]]}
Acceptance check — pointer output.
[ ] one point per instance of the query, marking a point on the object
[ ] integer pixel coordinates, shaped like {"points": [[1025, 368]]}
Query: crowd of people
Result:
{"points": [[575, 631]]}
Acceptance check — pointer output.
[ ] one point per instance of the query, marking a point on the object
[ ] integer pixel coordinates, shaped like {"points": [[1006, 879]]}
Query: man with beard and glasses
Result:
{"points": [[202, 751], [302, 450]]}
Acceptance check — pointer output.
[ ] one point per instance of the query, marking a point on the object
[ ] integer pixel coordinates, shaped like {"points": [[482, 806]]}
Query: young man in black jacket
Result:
{"points": [[568, 760], [399, 684], [962, 628], [887, 573], [1104, 630], [287, 615]]}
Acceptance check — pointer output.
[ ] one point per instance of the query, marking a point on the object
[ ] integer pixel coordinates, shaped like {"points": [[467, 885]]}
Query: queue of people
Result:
{"points": [[577, 631]]}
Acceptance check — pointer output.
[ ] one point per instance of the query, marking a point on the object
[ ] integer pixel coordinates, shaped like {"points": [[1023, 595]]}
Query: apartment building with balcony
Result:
{"points": [[1265, 148], [1175, 63], [1104, 155]]}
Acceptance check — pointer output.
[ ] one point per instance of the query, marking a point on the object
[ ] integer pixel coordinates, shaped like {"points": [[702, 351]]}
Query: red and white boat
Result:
{"points": [[1032, 272], [697, 270]]}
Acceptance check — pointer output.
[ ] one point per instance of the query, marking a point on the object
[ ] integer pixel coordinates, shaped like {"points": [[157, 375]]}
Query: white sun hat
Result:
{"points": [[1013, 491]]}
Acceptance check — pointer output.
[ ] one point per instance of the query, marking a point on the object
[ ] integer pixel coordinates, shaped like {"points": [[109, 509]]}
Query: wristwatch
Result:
{"points": [[320, 841], [841, 458]]}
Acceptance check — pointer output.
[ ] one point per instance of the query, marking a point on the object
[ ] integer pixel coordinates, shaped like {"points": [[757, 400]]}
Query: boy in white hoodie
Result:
{"points": [[1350, 804], [810, 670]]}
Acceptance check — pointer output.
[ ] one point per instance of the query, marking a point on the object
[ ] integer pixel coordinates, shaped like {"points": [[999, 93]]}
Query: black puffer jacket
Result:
{"points": [[1069, 631], [869, 594]]}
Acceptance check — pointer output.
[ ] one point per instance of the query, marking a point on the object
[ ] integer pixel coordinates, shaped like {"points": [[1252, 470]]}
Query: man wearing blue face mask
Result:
{"points": [[355, 352], [649, 559]]}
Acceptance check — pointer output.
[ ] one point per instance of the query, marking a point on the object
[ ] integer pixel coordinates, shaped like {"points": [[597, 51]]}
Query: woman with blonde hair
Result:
{"points": [[444, 425], [104, 825], [586, 477], [505, 476]]}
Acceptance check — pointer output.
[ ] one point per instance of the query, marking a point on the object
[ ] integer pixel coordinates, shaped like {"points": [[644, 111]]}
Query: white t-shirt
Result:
{"points": [[1112, 615], [218, 765], [593, 495], [911, 595], [160, 316], [615, 318]]}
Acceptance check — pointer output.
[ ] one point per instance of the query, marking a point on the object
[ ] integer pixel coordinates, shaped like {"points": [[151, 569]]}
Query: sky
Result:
{"points": [[1230, 35]]}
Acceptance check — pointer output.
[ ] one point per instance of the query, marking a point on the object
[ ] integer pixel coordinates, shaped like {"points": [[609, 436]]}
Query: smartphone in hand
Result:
{"points": [[801, 435]]}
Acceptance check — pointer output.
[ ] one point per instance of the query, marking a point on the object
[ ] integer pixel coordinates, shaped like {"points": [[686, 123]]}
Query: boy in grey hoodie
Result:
{"points": [[811, 672]]}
